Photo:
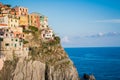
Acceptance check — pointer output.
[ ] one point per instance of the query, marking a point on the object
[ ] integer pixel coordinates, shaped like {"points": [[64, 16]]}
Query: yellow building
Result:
{"points": [[22, 13], [23, 21]]}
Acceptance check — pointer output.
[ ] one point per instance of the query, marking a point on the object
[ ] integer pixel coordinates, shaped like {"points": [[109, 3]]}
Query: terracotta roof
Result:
{"points": [[3, 24], [1, 16], [16, 32]]}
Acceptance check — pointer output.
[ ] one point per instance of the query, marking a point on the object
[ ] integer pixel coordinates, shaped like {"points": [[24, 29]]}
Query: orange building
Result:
{"points": [[13, 12], [22, 11], [34, 19]]}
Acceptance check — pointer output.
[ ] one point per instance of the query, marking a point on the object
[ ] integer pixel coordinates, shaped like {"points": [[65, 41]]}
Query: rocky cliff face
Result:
{"points": [[46, 61]]}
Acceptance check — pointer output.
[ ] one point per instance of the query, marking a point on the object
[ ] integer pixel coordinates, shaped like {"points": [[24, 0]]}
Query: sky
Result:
{"points": [[79, 23]]}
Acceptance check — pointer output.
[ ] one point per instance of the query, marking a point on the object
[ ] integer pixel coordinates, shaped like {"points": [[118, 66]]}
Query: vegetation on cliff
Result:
{"points": [[46, 59], [8, 68]]}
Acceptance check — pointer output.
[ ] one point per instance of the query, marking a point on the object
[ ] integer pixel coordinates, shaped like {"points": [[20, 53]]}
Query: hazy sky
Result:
{"points": [[79, 23]]}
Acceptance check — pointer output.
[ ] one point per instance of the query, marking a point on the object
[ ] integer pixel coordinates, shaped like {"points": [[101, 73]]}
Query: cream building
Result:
{"points": [[4, 20], [47, 34], [10, 44], [13, 21], [9, 20]]}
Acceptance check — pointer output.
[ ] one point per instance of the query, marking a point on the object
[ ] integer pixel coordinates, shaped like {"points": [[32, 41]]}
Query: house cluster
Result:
{"points": [[12, 22]]}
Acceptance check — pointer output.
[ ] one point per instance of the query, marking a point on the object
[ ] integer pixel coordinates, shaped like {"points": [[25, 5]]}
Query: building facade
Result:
{"points": [[47, 34], [11, 44], [23, 21], [34, 20], [43, 22], [13, 21], [4, 20], [22, 11]]}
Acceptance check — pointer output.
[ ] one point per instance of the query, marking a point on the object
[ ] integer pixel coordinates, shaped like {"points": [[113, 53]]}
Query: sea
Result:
{"points": [[102, 62]]}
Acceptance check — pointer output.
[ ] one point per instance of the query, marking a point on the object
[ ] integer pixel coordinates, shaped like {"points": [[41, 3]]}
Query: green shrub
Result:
{"points": [[33, 28], [26, 31], [25, 42], [57, 39]]}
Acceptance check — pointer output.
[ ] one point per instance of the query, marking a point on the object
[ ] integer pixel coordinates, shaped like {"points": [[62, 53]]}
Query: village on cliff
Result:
{"points": [[13, 22]]}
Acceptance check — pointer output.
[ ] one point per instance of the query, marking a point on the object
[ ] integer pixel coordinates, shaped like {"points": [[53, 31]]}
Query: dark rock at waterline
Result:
{"points": [[88, 77]]}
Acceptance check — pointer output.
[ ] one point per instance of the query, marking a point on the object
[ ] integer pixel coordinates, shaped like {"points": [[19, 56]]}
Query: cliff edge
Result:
{"points": [[46, 60]]}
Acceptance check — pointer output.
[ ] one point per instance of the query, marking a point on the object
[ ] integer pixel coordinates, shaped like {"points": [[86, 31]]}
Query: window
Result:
{"points": [[1, 39], [11, 35], [16, 40], [20, 44], [6, 35], [7, 30], [6, 44], [15, 45], [11, 39]]}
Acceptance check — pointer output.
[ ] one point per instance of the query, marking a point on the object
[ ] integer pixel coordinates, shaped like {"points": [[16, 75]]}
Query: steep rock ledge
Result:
{"points": [[45, 61], [27, 69]]}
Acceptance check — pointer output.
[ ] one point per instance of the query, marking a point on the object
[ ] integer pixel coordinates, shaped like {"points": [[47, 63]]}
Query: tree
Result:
{"points": [[8, 5]]}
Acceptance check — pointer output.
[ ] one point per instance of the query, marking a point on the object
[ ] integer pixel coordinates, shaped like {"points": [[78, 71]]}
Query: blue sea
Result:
{"points": [[102, 62]]}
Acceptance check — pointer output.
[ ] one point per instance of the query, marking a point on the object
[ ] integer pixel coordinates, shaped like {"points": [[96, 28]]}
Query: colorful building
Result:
{"points": [[34, 19], [10, 21], [11, 44], [3, 20], [43, 22], [47, 34], [22, 11], [13, 21], [23, 20]]}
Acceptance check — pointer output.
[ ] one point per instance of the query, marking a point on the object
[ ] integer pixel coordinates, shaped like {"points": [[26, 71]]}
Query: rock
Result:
{"points": [[88, 77], [1, 64], [45, 62], [29, 70], [92, 77], [35, 70]]}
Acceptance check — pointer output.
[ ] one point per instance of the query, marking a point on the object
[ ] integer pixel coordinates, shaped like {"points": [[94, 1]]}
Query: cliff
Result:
{"points": [[46, 60]]}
